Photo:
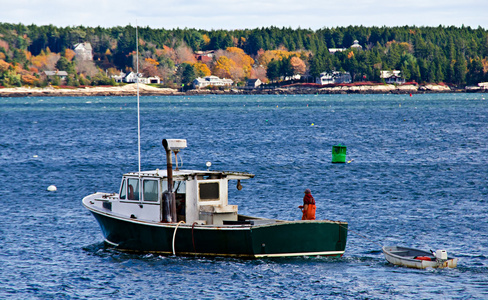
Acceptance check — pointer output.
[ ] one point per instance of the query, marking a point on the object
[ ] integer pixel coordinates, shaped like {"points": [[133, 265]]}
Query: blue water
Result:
{"points": [[418, 177]]}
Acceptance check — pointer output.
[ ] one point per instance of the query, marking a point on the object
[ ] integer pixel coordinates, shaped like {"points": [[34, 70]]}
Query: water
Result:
{"points": [[417, 177]]}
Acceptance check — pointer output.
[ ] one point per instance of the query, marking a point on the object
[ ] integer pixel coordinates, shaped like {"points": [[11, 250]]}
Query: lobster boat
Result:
{"points": [[187, 212], [419, 259]]}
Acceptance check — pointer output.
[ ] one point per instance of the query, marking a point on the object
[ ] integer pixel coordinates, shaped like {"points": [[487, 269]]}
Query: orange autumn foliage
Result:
{"points": [[4, 65], [151, 61], [29, 79], [69, 54]]}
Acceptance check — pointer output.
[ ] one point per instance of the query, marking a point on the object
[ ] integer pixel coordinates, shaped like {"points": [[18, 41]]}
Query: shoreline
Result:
{"points": [[145, 90]]}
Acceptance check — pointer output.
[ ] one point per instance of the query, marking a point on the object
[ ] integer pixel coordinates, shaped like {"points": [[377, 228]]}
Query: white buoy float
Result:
{"points": [[52, 188]]}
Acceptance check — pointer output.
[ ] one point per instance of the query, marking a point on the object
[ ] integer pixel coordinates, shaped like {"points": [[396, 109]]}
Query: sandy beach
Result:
{"points": [[126, 90]]}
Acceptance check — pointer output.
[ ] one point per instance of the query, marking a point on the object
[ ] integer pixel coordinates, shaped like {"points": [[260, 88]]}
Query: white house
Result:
{"points": [[355, 44], [211, 81], [83, 51], [394, 76], [132, 78], [334, 78], [118, 78]]}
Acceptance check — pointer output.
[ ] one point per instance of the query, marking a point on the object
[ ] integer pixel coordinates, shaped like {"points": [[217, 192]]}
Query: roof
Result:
{"points": [[389, 74], [54, 73], [184, 174]]}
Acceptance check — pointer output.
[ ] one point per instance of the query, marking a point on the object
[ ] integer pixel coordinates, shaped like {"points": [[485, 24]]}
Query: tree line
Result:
{"points": [[453, 55]]}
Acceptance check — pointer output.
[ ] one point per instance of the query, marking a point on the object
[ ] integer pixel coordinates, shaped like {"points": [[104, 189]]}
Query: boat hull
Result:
{"points": [[402, 256], [276, 239]]}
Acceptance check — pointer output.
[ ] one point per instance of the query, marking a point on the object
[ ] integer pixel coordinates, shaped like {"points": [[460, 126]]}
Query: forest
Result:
{"points": [[455, 56]]}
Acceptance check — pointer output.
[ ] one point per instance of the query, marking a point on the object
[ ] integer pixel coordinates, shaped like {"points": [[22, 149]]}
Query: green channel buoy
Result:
{"points": [[339, 153]]}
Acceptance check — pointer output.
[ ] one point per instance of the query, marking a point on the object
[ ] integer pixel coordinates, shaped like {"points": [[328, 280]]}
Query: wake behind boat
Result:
{"points": [[419, 259], [186, 212]]}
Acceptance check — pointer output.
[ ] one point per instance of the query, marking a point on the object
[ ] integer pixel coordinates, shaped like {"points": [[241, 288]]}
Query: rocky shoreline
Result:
{"points": [[145, 90]]}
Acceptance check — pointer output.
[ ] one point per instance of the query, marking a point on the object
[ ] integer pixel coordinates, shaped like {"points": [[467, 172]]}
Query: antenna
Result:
{"points": [[138, 113], [138, 108]]}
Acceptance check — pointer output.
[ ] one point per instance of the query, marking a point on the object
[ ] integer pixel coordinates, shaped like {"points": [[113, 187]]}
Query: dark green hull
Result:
{"points": [[279, 238]]}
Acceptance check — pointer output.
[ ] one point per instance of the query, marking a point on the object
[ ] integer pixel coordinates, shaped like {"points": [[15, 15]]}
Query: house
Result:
{"points": [[204, 56], [118, 78], [61, 74], [334, 77], [132, 77], [394, 77], [153, 79], [334, 50], [253, 83], [83, 51], [356, 45], [211, 81]]}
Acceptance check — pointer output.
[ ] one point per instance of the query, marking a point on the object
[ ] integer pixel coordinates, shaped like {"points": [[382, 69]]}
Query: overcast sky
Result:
{"points": [[240, 14]]}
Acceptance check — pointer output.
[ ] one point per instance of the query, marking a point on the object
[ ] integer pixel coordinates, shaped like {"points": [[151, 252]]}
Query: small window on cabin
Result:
{"points": [[133, 188], [209, 191], [123, 192], [150, 190]]}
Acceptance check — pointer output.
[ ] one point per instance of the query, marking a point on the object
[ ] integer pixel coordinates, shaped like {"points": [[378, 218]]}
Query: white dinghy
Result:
{"points": [[419, 259]]}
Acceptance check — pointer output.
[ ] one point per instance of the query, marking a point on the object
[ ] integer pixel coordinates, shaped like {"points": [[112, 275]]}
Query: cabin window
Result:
{"points": [[133, 188], [150, 190], [209, 191], [123, 192]]}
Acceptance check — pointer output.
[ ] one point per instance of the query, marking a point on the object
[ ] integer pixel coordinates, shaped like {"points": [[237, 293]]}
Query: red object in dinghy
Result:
{"points": [[423, 258]]}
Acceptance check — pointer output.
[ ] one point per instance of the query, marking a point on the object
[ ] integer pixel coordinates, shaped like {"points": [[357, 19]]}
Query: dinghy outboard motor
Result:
{"points": [[441, 255]]}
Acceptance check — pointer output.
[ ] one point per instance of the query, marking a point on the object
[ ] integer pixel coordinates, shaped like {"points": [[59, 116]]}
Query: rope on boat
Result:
{"points": [[381, 246], [174, 235]]}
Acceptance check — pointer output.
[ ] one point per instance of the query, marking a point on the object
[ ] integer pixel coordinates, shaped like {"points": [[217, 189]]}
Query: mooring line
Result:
{"points": [[381, 246]]}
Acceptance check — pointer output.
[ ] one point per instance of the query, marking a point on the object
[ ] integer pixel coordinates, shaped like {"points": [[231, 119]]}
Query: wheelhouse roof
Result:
{"points": [[185, 174]]}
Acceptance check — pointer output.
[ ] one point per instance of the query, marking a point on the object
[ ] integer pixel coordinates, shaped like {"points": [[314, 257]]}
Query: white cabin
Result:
{"points": [[201, 196]]}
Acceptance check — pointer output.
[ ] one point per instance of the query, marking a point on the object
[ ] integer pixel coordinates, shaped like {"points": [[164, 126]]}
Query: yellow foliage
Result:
{"points": [[39, 61], [269, 55], [350, 55], [223, 66], [2, 56], [206, 39], [242, 61], [202, 69]]}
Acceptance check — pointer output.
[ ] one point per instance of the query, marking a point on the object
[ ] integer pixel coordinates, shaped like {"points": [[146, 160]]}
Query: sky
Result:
{"points": [[249, 14]]}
